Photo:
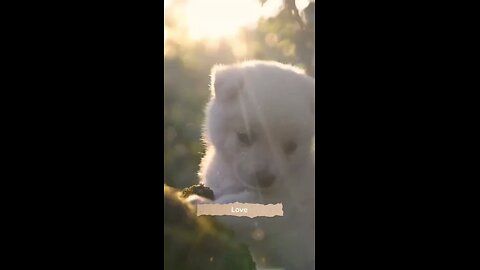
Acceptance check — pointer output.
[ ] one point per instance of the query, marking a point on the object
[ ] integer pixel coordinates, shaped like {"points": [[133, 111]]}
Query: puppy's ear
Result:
{"points": [[226, 82]]}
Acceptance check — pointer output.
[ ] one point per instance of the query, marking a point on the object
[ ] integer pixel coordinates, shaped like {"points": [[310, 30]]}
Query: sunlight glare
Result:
{"points": [[301, 4], [217, 19], [214, 19]]}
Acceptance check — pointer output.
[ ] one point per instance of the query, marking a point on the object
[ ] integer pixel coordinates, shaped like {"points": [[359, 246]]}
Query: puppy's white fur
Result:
{"points": [[258, 112]]}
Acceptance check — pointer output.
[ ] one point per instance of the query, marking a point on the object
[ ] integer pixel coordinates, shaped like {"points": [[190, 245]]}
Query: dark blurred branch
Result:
{"points": [[290, 6]]}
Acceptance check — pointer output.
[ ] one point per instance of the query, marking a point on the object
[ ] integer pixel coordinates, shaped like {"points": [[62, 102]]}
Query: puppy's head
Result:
{"points": [[261, 120]]}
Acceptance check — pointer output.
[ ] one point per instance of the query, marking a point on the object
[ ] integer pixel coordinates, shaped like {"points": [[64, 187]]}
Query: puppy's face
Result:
{"points": [[261, 120]]}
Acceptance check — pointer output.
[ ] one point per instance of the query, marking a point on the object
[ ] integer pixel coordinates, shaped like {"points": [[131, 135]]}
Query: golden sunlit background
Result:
{"points": [[201, 33]]}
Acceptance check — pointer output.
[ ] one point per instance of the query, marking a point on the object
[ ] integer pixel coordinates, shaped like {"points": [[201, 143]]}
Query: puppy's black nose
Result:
{"points": [[264, 178]]}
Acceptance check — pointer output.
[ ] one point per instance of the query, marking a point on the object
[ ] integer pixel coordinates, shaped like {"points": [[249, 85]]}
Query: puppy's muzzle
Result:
{"points": [[265, 178]]}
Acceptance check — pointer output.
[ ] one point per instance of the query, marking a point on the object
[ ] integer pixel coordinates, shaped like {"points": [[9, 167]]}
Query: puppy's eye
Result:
{"points": [[290, 147], [244, 138]]}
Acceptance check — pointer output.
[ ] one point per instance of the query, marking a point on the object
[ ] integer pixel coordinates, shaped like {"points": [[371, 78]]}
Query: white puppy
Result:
{"points": [[259, 133]]}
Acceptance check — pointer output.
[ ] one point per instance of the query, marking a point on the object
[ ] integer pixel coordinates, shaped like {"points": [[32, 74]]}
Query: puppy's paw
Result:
{"points": [[244, 196], [195, 199]]}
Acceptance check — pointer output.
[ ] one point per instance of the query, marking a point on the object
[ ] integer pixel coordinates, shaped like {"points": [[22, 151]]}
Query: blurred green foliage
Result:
{"points": [[192, 242], [288, 38]]}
